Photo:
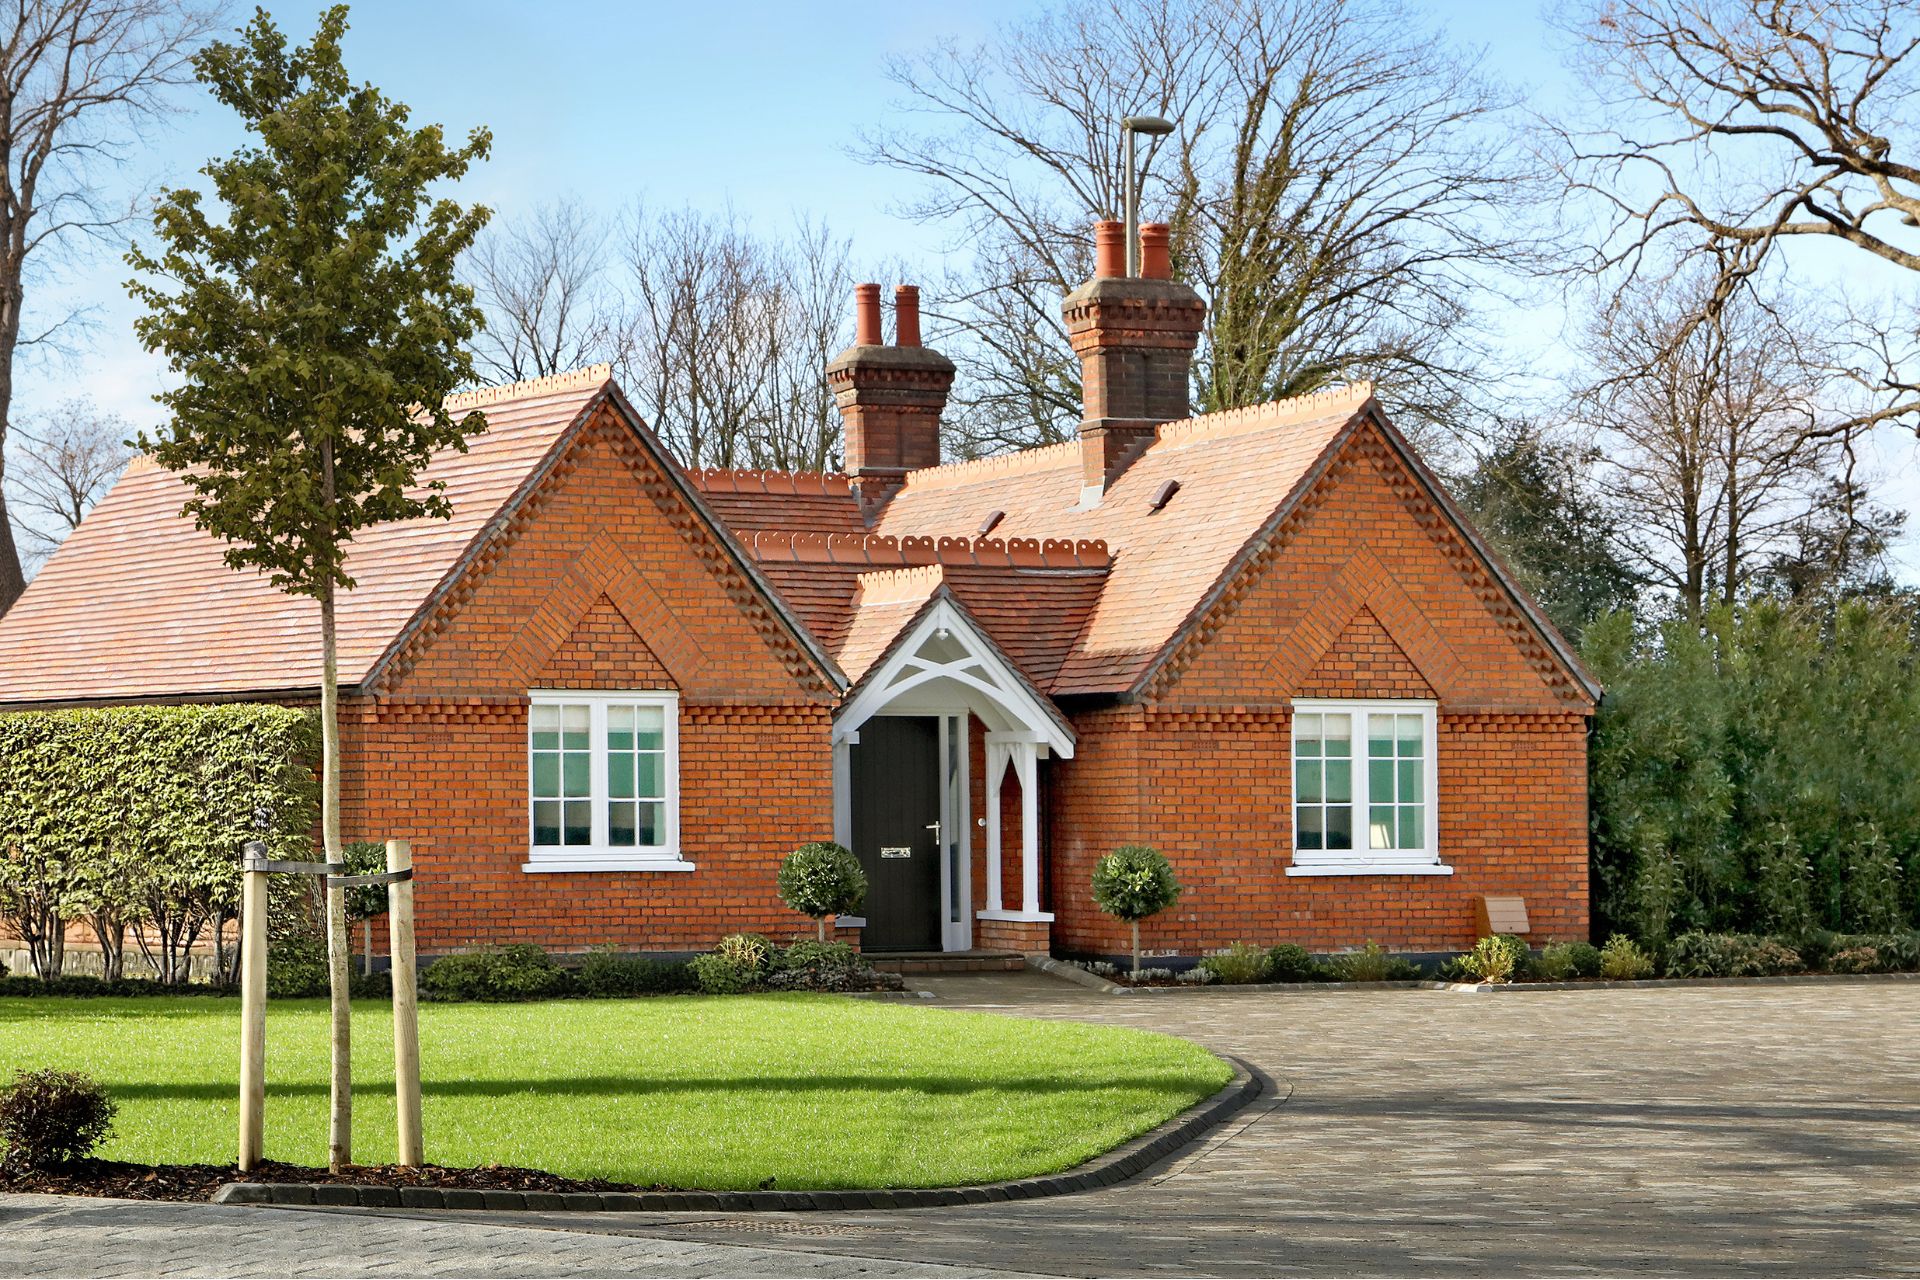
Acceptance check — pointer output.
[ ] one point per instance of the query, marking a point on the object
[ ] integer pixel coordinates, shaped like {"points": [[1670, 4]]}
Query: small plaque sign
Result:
{"points": [[896, 853]]}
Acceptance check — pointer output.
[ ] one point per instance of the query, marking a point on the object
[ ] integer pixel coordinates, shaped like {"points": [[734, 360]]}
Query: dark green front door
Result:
{"points": [[895, 770]]}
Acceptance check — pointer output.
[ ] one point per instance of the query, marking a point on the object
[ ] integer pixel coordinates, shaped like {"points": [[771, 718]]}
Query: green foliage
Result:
{"points": [[86, 987], [139, 814], [821, 879], [1291, 963], [1759, 772], [1240, 963], [1372, 963], [297, 967], [1526, 494], [826, 966], [607, 974], [1622, 960], [1133, 882], [1863, 959], [518, 972], [1561, 961], [365, 858], [738, 962], [1500, 958], [49, 1118], [315, 320], [1729, 955]]}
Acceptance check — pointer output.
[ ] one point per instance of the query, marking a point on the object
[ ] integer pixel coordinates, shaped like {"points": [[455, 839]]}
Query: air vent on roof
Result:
{"points": [[992, 521], [1164, 494]]}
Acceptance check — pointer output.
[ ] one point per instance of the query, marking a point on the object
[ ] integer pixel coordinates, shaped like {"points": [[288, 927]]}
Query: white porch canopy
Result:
{"points": [[946, 665]]}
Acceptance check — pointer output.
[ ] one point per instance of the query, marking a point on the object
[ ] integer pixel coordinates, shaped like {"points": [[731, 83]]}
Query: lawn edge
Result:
{"points": [[1128, 1160]]}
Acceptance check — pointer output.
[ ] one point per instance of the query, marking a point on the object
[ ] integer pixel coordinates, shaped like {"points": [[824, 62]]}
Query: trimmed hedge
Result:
{"points": [[133, 818]]}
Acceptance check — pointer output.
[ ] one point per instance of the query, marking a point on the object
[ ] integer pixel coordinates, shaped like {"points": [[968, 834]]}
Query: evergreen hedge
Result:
{"points": [[133, 819]]}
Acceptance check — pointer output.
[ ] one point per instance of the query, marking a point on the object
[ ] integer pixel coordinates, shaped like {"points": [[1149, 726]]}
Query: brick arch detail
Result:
{"points": [[1363, 585], [1365, 662], [603, 571]]}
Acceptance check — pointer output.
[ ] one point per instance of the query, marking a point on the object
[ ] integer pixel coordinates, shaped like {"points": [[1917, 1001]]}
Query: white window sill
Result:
{"points": [[1369, 868], [1031, 917], [601, 862]]}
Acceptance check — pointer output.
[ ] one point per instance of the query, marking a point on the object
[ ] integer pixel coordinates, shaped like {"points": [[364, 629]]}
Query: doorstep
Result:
{"points": [[978, 961]]}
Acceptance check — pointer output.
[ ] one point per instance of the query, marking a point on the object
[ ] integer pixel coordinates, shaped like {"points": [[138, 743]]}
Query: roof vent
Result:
{"points": [[1163, 495], [992, 522]]}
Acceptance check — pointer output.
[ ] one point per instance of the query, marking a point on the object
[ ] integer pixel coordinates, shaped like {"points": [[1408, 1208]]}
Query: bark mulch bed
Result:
{"points": [[124, 1181]]}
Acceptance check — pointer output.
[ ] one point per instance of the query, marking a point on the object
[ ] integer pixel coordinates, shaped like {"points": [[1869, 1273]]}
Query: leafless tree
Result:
{"points": [[542, 282], [1726, 130], [1340, 185], [1716, 425], [78, 78], [64, 462], [728, 336]]}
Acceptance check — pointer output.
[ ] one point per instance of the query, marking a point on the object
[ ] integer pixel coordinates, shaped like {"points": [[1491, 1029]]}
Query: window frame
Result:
{"points": [[1364, 860], [599, 854]]}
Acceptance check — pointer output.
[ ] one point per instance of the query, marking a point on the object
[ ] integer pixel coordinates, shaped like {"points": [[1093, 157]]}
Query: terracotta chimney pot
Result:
{"points": [[906, 315], [1109, 249], [1156, 258], [866, 315]]}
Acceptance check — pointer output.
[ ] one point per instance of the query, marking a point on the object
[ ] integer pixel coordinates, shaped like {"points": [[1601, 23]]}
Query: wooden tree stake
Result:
{"points": [[406, 1005], [253, 1016]]}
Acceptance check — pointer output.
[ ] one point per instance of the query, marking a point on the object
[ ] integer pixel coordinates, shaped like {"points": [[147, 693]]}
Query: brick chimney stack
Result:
{"points": [[890, 398], [1135, 339]]}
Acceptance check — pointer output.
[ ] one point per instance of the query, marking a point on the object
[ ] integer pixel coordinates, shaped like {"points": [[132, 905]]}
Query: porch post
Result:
{"points": [[997, 755], [1026, 761]]}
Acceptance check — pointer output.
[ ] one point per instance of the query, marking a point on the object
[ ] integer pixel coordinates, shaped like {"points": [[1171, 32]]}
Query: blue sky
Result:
{"points": [[749, 104]]}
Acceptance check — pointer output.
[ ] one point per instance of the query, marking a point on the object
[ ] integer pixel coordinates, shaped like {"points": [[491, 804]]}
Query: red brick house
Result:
{"points": [[607, 696]]}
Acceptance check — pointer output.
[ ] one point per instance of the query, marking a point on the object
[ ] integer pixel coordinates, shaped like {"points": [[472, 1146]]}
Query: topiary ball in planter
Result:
{"points": [[51, 1117], [821, 879], [1132, 883]]}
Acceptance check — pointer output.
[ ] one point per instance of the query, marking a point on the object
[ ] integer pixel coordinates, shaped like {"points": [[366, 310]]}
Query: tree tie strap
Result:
{"points": [[378, 877]]}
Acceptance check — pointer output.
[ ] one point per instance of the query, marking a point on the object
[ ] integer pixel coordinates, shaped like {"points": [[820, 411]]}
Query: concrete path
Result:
{"points": [[1762, 1130]]}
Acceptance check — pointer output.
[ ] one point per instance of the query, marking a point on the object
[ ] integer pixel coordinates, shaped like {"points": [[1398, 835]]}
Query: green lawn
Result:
{"points": [[816, 1091]]}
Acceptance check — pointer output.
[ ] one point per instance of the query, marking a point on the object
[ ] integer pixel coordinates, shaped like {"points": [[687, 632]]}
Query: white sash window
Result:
{"points": [[603, 782], [1364, 784]]}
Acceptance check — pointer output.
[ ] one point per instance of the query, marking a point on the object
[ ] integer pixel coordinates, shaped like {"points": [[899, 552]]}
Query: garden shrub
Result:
{"points": [[1560, 961], [604, 973], [1454, 969], [1499, 958], [1729, 955], [1622, 960], [1131, 883], [738, 962], [1372, 963], [1289, 962], [1857, 959], [827, 966], [1873, 890], [1897, 952], [297, 967], [518, 972], [52, 1117], [1240, 963], [821, 879]]}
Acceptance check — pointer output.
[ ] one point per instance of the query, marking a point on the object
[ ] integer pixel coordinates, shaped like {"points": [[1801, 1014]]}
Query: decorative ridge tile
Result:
{"points": [[887, 552], [898, 586], [781, 483], [1045, 458], [574, 380], [1274, 413]]}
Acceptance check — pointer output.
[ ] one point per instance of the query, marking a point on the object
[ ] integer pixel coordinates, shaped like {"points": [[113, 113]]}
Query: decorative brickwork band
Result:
{"points": [[886, 552]]}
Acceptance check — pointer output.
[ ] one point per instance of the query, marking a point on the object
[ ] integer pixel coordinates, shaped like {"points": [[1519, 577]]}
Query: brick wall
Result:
{"points": [[1366, 594], [607, 583]]}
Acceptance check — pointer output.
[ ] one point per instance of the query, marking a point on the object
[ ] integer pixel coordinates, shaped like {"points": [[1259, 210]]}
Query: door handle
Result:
{"points": [[935, 828]]}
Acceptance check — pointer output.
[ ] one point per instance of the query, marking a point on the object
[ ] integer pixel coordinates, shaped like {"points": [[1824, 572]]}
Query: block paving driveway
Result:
{"points": [[1741, 1130]]}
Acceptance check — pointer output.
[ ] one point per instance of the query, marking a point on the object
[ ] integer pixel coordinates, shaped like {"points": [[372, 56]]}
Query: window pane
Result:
{"points": [[1339, 781], [1307, 779], [1411, 834], [1409, 780], [1309, 836], [1380, 736], [620, 824], [546, 717], [577, 773], [1339, 826], [546, 739], [620, 719], [546, 822], [653, 772], [1306, 734], [651, 725], [1380, 827], [576, 725], [653, 824], [1410, 735], [620, 776], [1380, 780], [619, 739], [546, 773], [578, 822], [1337, 732]]}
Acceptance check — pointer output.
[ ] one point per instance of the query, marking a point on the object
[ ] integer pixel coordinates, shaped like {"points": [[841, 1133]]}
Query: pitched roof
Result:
{"points": [[139, 603], [750, 501]]}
